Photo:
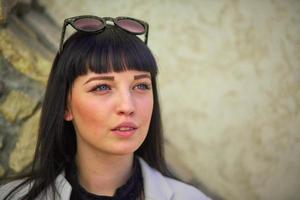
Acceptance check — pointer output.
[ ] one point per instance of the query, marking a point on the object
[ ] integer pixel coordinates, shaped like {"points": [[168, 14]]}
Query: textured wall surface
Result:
{"points": [[23, 74], [229, 85]]}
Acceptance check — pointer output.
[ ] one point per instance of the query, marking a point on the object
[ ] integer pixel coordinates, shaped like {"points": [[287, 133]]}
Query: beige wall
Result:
{"points": [[229, 86]]}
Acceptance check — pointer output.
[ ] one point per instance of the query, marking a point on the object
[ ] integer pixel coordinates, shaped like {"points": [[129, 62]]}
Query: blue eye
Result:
{"points": [[143, 86], [102, 87]]}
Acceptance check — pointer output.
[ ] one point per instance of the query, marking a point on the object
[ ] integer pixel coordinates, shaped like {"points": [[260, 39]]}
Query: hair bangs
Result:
{"points": [[118, 58], [112, 50]]}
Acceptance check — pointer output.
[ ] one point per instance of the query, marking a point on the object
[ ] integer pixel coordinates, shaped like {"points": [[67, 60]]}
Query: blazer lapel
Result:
{"points": [[63, 186], [155, 184]]}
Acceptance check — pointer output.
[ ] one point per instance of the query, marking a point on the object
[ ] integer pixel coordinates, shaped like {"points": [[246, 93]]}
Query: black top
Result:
{"points": [[131, 190]]}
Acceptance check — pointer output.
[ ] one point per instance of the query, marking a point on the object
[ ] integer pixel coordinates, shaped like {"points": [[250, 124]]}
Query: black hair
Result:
{"points": [[112, 50]]}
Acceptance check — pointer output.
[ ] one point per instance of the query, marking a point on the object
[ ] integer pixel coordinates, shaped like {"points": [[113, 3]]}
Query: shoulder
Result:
{"points": [[8, 187], [160, 187], [185, 191], [62, 186]]}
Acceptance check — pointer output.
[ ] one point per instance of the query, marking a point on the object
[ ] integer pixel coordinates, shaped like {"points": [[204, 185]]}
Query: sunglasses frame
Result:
{"points": [[72, 20]]}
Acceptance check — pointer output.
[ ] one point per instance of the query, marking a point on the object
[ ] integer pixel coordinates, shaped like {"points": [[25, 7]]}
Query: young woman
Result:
{"points": [[100, 133]]}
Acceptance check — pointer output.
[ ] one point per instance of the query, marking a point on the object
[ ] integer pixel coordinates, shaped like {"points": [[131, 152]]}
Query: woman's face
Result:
{"points": [[111, 112]]}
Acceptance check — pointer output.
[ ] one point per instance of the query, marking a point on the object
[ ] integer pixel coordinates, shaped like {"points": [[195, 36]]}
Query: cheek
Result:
{"points": [[88, 114], [145, 107]]}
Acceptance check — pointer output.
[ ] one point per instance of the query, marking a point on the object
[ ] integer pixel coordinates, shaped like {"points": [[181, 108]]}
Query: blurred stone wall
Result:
{"points": [[229, 84], [24, 68]]}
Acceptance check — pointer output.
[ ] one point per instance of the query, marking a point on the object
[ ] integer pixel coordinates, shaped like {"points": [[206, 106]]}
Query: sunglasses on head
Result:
{"points": [[94, 24]]}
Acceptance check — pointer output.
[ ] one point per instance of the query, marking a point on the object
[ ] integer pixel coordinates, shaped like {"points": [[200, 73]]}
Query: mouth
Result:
{"points": [[125, 129]]}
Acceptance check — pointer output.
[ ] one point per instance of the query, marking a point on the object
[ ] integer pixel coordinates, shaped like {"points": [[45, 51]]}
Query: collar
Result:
{"points": [[155, 184]]}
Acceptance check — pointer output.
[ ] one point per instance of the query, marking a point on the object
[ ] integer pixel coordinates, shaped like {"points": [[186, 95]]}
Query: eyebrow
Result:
{"points": [[141, 76], [107, 78], [111, 78]]}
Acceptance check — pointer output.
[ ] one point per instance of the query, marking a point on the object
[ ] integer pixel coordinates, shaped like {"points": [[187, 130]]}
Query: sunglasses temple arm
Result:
{"points": [[62, 36], [146, 35]]}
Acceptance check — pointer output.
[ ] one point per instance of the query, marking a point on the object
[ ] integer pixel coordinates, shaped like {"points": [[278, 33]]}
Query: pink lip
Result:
{"points": [[125, 129], [126, 124]]}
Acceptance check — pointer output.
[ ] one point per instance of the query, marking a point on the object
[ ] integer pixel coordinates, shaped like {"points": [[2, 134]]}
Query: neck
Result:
{"points": [[102, 174]]}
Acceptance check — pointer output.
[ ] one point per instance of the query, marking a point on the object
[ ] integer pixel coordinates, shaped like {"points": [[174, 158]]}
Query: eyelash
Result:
{"points": [[145, 86], [96, 88]]}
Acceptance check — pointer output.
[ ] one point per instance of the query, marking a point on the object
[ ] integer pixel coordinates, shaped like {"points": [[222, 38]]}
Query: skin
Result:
{"points": [[98, 103]]}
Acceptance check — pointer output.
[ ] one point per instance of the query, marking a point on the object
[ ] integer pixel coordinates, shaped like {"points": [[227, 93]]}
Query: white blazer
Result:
{"points": [[156, 187]]}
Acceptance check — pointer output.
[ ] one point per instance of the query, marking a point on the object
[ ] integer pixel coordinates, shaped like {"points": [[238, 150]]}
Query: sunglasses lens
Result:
{"points": [[89, 24], [131, 25]]}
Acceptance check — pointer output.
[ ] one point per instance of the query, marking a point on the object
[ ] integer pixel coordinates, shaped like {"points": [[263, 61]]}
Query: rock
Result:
{"points": [[2, 170], [5, 8], [1, 141], [23, 152], [2, 88], [17, 106], [22, 58]]}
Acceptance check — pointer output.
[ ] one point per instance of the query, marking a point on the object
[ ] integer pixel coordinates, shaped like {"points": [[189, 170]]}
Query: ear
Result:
{"points": [[68, 115]]}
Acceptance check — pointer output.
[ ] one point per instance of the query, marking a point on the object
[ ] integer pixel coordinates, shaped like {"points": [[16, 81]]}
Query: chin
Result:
{"points": [[125, 149]]}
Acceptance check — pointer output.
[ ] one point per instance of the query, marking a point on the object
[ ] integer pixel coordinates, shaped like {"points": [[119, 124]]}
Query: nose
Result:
{"points": [[126, 104]]}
